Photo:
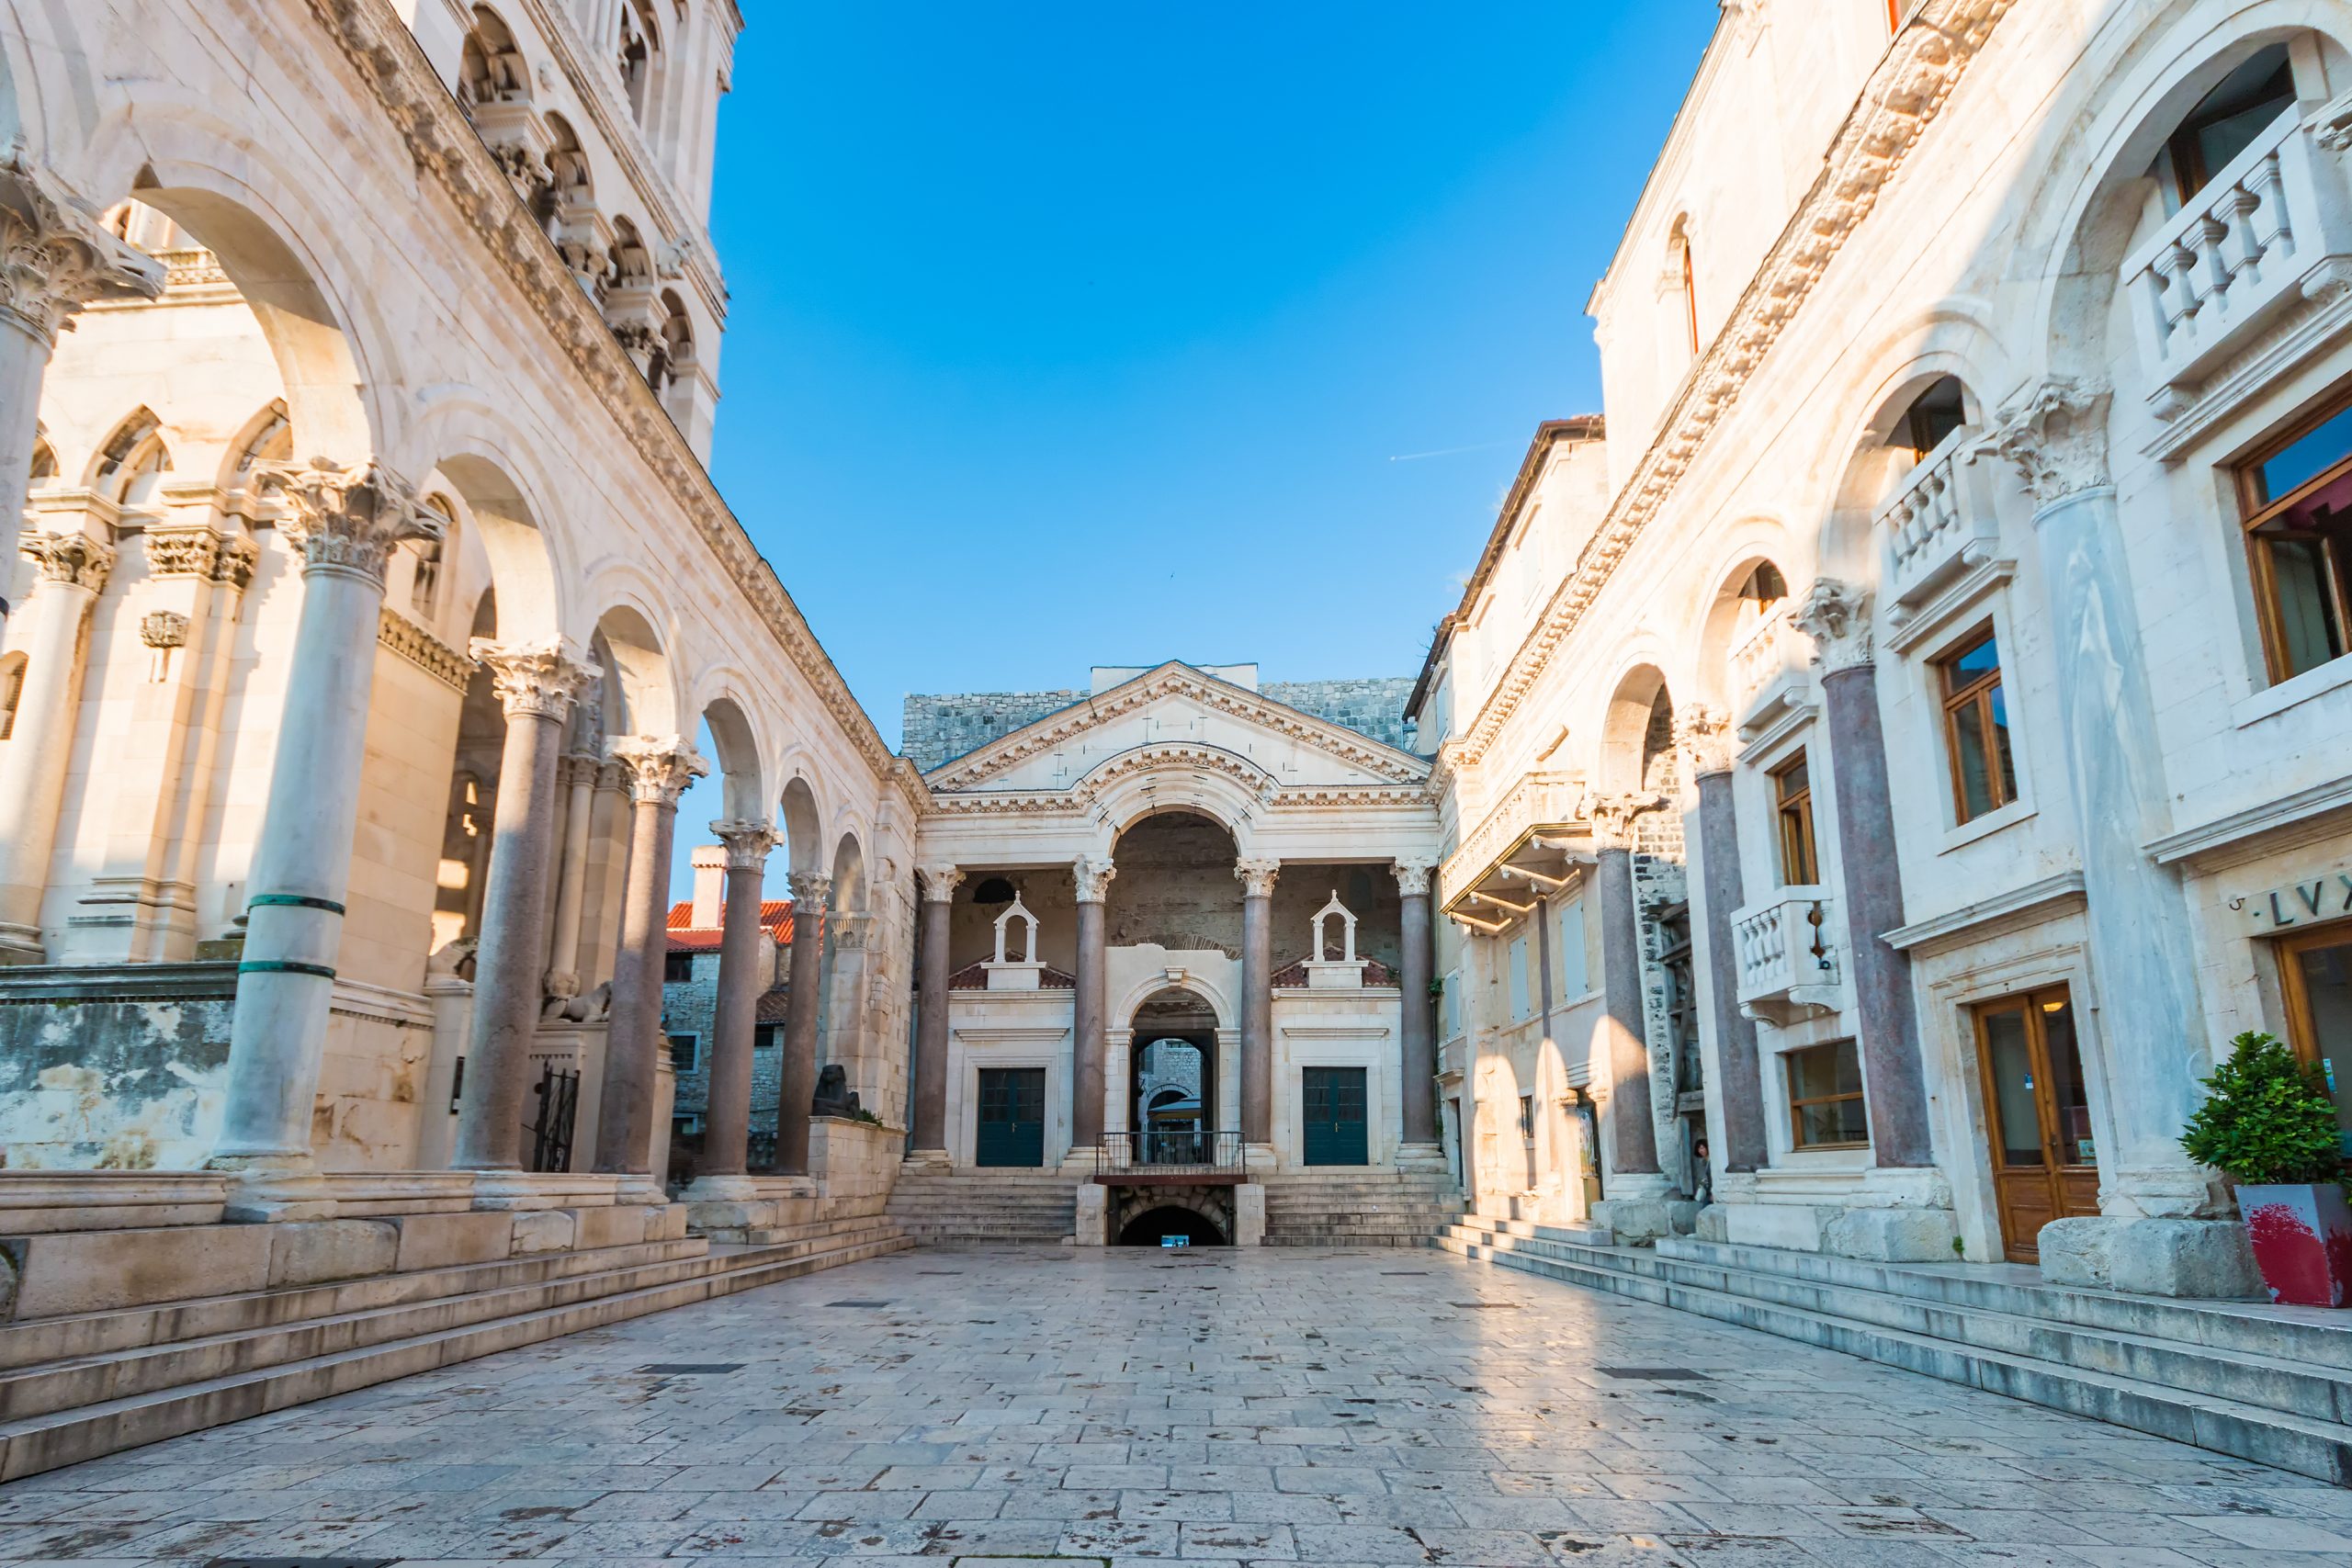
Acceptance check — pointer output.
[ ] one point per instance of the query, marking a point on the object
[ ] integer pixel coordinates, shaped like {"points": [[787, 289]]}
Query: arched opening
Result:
{"points": [[1930, 419], [638, 52], [2225, 121], [1175, 887], [1173, 1100], [1683, 268], [1154, 1227], [491, 68], [132, 464]]}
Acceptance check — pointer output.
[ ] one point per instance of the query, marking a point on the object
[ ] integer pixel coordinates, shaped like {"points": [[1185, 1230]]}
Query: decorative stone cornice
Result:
{"points": [[1093, 875], [2056, 434], [1836, 615], [446, 149], [939, 882], [1413, 875], [535, 680], [660, 766], [422, 648], [1060, 802], [74, 561], [1613, 818], [55, 253], [747, 842], [1902, 98], [1257, 877], [811, 893], [1706, 736], [346, 520]]}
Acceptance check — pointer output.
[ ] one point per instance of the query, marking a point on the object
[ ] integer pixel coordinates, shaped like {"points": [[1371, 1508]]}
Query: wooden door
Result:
{"points": [[2317, 968], [2036, 1116], [1012, 1116], [1333, 1116]]}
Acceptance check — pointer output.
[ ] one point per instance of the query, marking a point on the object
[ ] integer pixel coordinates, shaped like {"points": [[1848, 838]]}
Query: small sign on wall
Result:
{"points": [[2323, 898]]}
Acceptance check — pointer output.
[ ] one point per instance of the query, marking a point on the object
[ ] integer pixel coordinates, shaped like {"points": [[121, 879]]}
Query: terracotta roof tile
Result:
{"points": [[686, 936]]}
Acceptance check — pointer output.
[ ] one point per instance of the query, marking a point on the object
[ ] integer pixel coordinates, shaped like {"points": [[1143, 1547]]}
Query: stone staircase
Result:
{"points": [[1358, 1207], [2266, 1384], [995, 1207], [76, 1386]]}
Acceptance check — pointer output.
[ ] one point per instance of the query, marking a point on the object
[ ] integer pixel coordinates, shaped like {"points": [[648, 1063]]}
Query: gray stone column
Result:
{"points": [[534, 683], [1624, 1023], [344, 521], [1737, 1084], [1258, 1001], [73, 568], [939, 884], [576, 778], [660, 771], [1092, 876], [1838, 617], [727, 1122], [1416, 1025], [810, 896], [2150, 1039], [61, 256]]}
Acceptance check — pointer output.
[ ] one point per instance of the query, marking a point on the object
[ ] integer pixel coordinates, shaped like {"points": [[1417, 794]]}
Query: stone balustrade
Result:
{"points": [[1766, 666], [1941, 525], [1787, 950]]}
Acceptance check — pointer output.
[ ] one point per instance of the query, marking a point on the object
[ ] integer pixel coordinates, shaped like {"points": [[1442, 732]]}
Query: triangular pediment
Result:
{"points": [[1170, 711]]}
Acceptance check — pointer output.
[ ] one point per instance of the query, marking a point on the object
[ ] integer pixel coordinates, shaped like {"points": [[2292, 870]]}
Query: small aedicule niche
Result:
{"points": [[1335, 965], [1007, 973]]}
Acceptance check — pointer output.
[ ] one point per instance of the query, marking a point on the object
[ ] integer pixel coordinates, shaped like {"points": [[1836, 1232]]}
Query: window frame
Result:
{"points": [[1797, 1107], [2186, 159], [1977, 694], [678, 960], [1527, 1118], [693, 1044], [1794, 811], [2254, 511]]}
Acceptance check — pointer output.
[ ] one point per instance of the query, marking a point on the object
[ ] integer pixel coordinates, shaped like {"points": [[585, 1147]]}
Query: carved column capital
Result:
{"points": [[56, 255], [747, 842], [1836, 615], [1257, 877], [535, 680], [939, 882], [1706, 736], [1413, 873], [1092, 874], [191, 549], [1612, 816], [660, 766], [2056, 434], [810, 892], [347, 520], [76, 560]]}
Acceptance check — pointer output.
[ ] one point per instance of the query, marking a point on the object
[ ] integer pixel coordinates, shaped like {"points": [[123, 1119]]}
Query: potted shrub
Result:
{"points": [[2268, 1123]]}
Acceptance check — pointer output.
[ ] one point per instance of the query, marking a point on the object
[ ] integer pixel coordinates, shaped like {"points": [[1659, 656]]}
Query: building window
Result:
{"points": [[1519, 1009], [2225, 122], [684, 1050], [1575, 977], [766, 1036], [1453, 1004], [1527, 1117], [2296, 502], [1933, 416], [1825, 1097], [2317, 969], [1689, 283], [1976, 727], [677, 968], [993, 890], [1792, 811]]}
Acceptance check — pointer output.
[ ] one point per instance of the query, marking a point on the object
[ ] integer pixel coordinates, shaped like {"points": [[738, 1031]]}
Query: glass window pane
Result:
{"points": [[2328, 993], [1964, 668], [2017, 1131], [1970, 762], [2076, 1143], [1998, 701], [1792, 779], [2307, 456], [2308, 635]]}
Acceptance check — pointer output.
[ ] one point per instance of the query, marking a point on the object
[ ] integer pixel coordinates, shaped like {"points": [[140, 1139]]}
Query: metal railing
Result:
{"points": [[1169, 1151]]}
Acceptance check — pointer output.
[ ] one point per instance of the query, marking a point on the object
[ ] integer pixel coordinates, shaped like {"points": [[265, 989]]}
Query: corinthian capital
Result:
{"points": [[810, 892], [2056, 434], [56, 255], [1413, 875], [939, 882], [74, 559], [1612, 816], [348, 519], [660, 766], [1704, 734], [1092, 874], [1257, 877], [1836, 615], [535, 680], [747, 842]]}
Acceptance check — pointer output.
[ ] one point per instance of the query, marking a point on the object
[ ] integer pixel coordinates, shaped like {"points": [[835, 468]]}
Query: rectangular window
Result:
{"points": [[1527, 1117], [766, 1036], [1519, 997], [1825, 1097], [1454, 1004], [1793, 808], [677, 968], [684, 1049], [2297, 502], [1574, 979], [1976, 727]]}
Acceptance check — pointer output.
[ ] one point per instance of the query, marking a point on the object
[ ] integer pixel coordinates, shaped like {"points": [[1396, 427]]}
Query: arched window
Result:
{"points": [[639, 52], [491, 70], [1683, 276], [2226, 120], [673, 355], [629, 262], [133, 462], [44, 465], [424, 580], [993, 890], [1933, 416], [12, 692], [568, 182]]}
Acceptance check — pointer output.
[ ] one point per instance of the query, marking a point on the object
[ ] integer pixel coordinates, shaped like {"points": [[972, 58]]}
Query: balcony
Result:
{"points": [[1537, 800], [2239, 253], [1171, 1155], [1770, 673], [1940, 525], [1787, 950]]}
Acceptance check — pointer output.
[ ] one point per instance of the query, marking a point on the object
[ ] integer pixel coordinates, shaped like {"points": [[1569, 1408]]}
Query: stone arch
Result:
{"points": [[1625, 723], [1223, 786], [130, 460], [849, 875], [640, 696], [733, 722], [801, 822], [266, 435], [505, 523], [490, 67], [1206, 1212], [1734, 606], [1123, 1015]]}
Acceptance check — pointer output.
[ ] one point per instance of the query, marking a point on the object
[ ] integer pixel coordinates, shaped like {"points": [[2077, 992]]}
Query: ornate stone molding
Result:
{"points": [[1413, 875], [1613, 818], [810, 892], [2056, 434], [1836, 615], [422, 648], [346, 519], [1902, 97], [76, 560], [939, 882], [747, 842], [188, 550], [163, 628], [1706, 737], [535, 680], [55, 253], [660, 766], [1092, 874], [1257, 877]]}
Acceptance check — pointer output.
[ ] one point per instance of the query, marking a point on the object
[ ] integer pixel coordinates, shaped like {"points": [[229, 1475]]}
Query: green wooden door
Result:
{"points": [[1334, 1115], [1012, 1116]]}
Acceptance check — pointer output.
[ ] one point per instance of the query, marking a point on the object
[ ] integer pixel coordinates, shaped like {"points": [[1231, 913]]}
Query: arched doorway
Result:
{"points": [[1154, 1227], [1171, 1079]]}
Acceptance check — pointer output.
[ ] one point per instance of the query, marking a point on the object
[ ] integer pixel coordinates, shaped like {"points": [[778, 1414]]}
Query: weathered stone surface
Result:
{"points": [[620, 1225], [440, 1241], [311, 1252], [2183, 1258], [2075, 1251], [1711, 1225], [1090, 1225], [1249, 1215], [1640, 1220], [546, 1230], [94, 1270], [1892, 1235]]}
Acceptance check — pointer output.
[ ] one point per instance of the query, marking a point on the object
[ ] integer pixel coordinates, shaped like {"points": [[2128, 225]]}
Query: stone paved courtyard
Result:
{"points": [[1220, 1407]]}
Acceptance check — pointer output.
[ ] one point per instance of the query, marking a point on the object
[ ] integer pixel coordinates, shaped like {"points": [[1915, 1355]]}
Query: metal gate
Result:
{"points": [[551, 1133]]}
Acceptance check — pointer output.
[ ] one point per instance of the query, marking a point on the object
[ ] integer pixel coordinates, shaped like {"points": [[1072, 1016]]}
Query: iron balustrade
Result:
{"points": [[1169, 1151]]}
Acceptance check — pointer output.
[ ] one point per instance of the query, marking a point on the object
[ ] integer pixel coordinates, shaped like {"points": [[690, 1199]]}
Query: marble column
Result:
{"points": [[534, 683], [73, 568], [2150, 1050], [939, 884], [1417, 1024], [1633, 1164], [61, 256], [660, 771], [1088, 1009], [344, 521], [1838, 617], [728, 1120], [811, 895], [1258, 1003], [1737, 1084], [576, 778]]}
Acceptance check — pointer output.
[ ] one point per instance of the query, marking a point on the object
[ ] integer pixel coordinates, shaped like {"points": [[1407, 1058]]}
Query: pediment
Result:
{"points": [[1176, 716]]}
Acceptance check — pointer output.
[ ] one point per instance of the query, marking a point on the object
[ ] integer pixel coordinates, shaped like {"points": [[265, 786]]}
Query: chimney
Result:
{"points": [[710, 875]]}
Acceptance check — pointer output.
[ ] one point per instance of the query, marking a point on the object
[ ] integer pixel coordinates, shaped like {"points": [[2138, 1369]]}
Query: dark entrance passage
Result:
{"points": [[1333, 1116], [1012, 1116], [1149, 1228]]}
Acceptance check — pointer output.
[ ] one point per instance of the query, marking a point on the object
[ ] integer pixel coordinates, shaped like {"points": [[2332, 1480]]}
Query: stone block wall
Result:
{"points": [[942, 727], [1372, 708]]}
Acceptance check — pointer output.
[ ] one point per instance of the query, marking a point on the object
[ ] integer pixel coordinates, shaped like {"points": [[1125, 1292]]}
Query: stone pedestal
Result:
{"points": [[1249, 1215], [2207, 1258], [1091, 1227]]}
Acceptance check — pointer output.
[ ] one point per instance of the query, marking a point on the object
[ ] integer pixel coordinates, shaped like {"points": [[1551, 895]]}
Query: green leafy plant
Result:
{"points": [[2266, 1119]]}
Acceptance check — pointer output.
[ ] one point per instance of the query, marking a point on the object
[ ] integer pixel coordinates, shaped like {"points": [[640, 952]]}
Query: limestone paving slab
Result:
{"points": [[1129, 1408]]}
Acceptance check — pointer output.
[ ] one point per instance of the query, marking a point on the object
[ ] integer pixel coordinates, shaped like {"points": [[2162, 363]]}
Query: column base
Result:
{"points": [[1424, 1158], [927, 1160], [273, 1189], [734, 1189], [516, 1190], [1258, 1157], [20, 945], [2207, 1259], [636, 1187]]}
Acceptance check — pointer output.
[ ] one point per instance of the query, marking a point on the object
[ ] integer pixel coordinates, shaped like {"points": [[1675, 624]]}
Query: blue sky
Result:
{"points": [[1068, 334]]}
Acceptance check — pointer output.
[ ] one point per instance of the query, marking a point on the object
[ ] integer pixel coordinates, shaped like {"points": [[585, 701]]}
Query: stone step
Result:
{"points": [[2173, 1390], [32, 1445]]}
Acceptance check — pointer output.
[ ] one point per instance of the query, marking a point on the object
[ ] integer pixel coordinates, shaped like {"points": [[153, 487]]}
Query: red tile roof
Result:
{"points": [[771, 1005], [686, 936], [1375, 973], [975, 977]]}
